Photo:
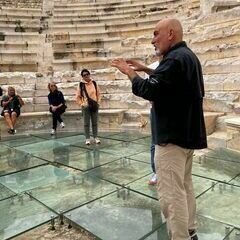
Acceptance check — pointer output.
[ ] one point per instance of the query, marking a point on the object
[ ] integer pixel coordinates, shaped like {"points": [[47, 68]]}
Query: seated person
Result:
{"points": [[11, 104]]}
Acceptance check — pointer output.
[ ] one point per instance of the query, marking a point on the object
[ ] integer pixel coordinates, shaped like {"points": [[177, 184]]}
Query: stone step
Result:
{"points": [[222, 82], [109, 9], [224, 65], [218, 139], [18, 45], [20, 16], [130, 32], [218, 52], [89, 63], [20, 28], [18, 55], [37, 121], [31, 11], [21, 36], [21, 4], [66, 20], [105, 3], [85, 43], [18, 66], [128, 52], [109, 27]]}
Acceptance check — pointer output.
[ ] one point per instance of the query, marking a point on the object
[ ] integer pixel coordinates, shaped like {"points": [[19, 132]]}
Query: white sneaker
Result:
{"points": [[153, 180], [88, 142], [62, 125], [53, 132], [97, 140]]}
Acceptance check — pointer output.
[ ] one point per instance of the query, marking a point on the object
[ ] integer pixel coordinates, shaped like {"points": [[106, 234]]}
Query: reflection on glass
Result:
{"points": [[122, 171], [143, 156], [72, 192], [21, 213], [22, 141], [220, 204], [13, 160], [5, 192], [35, 177], [225, 154], [128, 136], [144, 141], [215, 169], [124, 215]]}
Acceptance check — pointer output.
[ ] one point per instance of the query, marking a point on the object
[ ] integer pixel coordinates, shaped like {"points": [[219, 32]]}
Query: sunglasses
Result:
{"points": [[86, 74]]}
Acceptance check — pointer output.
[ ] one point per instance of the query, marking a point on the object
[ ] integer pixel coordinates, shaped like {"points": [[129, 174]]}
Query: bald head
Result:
{"points": [[167, 33]]}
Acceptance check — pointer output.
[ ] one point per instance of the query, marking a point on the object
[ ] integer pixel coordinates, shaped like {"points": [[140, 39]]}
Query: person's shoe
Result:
{"points": [[11, 131], [62, 125], [87, 142], [53, 132], [153, 180], [193, 234], [97, 140]]}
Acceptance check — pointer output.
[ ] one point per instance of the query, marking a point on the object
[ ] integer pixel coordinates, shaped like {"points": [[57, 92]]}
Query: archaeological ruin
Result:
{"points": [[44, 41]]}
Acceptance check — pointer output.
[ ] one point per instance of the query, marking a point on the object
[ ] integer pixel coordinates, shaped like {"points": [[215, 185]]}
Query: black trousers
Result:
{"points": [[56, 116]]}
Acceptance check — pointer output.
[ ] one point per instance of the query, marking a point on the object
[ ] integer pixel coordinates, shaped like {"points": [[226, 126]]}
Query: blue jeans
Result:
{"points": [[152, 149]]}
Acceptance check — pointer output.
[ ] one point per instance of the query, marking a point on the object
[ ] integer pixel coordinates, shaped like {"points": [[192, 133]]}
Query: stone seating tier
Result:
{"points": [[21, 3], [72, 4], [24, 27], [79, 19], [17, 55], [19, 66], [18, 45], [22, 11]]}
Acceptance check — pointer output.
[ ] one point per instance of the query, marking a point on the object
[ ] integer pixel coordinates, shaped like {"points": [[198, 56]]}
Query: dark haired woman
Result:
{"points": [[11, 104], [88, 97], [56, 106]]}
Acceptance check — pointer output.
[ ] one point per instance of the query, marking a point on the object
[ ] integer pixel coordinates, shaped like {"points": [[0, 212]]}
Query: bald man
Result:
{"points": [[176, 89]]}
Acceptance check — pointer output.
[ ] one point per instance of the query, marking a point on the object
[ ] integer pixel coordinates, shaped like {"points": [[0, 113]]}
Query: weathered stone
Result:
{"points": [[212, 105]]}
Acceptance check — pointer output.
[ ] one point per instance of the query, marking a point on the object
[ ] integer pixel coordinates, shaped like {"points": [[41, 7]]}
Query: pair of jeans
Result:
{"points": [[87, 117], [152, 150]]}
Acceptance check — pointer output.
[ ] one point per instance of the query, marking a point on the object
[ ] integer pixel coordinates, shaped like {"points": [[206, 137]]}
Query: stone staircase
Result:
{"points": [[54, 40]]}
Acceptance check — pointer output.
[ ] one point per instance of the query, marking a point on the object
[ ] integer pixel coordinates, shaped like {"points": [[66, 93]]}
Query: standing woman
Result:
{"points": [[56, 106], [11, 104], [88, 97]]}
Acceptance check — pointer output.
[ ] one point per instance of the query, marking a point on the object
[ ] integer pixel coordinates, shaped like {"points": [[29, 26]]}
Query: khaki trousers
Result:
{"points": [[175, 188]]}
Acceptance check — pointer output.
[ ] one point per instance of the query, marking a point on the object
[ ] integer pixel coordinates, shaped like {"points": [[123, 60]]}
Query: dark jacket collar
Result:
{"points": [[178, 45]]}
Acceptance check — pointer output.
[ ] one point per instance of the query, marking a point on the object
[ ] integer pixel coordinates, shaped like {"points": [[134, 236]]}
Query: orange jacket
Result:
{"points": [[90, 88]]}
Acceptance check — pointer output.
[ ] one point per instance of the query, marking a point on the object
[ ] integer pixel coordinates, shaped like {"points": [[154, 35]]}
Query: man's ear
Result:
{"points": [[171, 34]]}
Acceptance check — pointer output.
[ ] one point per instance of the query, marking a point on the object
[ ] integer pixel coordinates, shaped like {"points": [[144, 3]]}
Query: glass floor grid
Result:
{"points": [[107, 185]]}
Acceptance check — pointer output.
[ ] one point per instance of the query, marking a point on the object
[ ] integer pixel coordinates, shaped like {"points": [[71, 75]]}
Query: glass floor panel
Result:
{"points": [[5, 192], [80, 142], [143, 156], [225, 154], [122, 171], [220, 203], [64, 153], [125, 149], [22, 141], [144, 141], [141, 185], [85, 161], [21, 213], [216, 169], [17, 161], [48, 136], [120, 215], [72, 192], [236, 181], [32, 178], [207, 230], [41, 147], [234, 235], [128, 136]]}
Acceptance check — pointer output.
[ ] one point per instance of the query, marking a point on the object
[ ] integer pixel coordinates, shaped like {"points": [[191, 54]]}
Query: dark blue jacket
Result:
{"points": [[56, 98], [177, 91]]}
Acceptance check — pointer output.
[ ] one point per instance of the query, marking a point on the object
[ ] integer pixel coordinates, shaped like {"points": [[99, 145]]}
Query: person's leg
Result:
{"points": [[86, 119], [59, 112], [8, 120], [192, 223], [54, 119], [152, 149], [14, 118], [94, 120], [170, 163]]}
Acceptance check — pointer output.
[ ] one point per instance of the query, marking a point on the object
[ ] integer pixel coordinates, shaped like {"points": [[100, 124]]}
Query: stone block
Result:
{"points": [[212, 105]]}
